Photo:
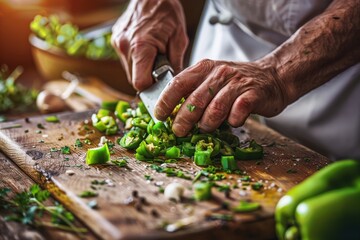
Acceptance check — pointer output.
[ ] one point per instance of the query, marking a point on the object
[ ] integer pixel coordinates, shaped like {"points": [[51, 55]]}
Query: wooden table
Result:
{"points": [[119, 215]]}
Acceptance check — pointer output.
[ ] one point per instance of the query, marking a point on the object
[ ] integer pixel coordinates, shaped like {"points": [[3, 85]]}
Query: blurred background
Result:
{"points": [[42, 63]]}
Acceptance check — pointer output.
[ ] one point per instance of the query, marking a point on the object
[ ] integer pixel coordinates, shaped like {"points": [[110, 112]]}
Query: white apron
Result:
{"points": [[328, 118]]}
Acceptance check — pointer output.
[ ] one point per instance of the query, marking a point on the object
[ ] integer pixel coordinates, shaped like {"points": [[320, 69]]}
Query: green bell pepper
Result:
{"points": [[188, 149], [148, 150], [98, 155], [104, 123], [250, 152], [324, 206], [202, 158], [131, 139], [202, 191], [229, 163], [109, 105], [173, 152], [121, 110]]}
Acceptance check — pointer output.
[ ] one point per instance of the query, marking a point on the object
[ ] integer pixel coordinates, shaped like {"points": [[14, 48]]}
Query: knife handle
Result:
{"points": [[161, 66]]}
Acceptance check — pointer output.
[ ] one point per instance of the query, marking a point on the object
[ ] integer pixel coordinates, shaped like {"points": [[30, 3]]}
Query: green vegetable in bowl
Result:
{"points": [[67, 37]]}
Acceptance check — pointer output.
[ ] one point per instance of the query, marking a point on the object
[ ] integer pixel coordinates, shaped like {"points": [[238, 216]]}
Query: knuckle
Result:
{"points": [[205, 64]]}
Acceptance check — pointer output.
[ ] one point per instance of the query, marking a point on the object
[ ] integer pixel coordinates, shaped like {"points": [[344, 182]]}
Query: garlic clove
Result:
{"points": [[174, 191]]}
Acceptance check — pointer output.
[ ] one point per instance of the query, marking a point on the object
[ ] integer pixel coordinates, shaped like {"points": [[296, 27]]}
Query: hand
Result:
{"points": [[221, 90], [146, 28]]}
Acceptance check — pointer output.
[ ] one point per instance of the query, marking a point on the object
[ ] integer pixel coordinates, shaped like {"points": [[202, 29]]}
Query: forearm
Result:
{"points": [[319, 50]]}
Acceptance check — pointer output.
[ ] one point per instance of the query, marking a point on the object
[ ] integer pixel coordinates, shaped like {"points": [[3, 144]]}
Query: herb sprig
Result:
{"points": [[28, 208]]}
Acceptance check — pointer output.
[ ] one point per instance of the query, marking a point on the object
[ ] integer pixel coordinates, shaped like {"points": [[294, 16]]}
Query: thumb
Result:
{"points": [[143, 57]]}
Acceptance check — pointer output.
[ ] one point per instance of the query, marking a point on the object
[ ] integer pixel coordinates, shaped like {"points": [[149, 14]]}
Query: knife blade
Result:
{"points": [[162, 74]]}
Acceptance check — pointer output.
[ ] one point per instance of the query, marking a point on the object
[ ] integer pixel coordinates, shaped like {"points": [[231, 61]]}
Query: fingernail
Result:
{"points": [[159, 113]]}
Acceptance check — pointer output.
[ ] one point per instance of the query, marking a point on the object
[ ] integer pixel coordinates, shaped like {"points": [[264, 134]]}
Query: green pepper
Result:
{"points": [[250, 152], [226, 150], [121, 110], [109, 105], [181, 140], [173, 152], [229, 138], [202, 191], [104, 123], [139, 122], [198, 137], [158, 129], [148, 150], [188, 149], [98, 155], [102, 113], [244, 206], [150, 126], [131, 139], [142, 108], [202, 158], [229, 163], [324, 206], [206, 142], [53, 119]]}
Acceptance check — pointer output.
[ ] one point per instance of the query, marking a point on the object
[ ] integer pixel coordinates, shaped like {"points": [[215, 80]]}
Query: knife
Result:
{"points": [[162, 74]]}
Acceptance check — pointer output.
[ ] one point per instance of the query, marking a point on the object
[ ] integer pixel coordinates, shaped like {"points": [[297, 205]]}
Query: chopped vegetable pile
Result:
{"points": [[155, 142], [67, 37]]}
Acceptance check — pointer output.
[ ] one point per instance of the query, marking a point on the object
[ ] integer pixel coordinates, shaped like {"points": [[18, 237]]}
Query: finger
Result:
{"points": [[121, 44], [198, 101], [142, 57], [191, 111], [242, 108], [181, 86], [176, 49], [218, 109]]}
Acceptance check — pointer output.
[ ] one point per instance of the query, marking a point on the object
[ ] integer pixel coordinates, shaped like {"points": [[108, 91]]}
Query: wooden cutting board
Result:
{"points": [[120, 214]]}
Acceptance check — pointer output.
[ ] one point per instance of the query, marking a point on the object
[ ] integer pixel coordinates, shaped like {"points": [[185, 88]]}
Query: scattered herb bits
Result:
{"points": [[53, 119], [88, 194]]}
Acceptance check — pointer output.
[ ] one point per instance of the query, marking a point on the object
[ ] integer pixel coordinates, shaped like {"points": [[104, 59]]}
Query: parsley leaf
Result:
{"points": [[190, 107]]}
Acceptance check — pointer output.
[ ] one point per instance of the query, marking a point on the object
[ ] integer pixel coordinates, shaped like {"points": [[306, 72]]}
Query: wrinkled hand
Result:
{"points": [[146, 28], [221, 90]]}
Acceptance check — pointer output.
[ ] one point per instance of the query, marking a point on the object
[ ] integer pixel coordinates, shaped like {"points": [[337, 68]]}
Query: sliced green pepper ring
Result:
{"points": [[253, 151], [229, 138], [158, 129], [98, 155], [148, 150], [120, 109], [131, 140], [139, 122]]}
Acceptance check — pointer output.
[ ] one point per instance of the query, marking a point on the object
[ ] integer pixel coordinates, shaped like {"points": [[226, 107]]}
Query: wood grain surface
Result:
{"points": [[13, 178], [130, 206]]}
